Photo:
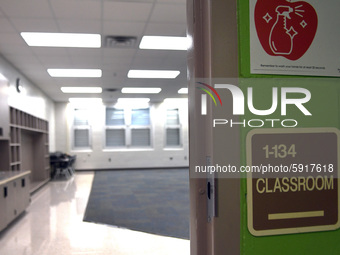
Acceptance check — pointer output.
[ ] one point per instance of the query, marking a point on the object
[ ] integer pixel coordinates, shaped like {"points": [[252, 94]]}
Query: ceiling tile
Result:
{"points": [[166, 29], [177, 55], [123, 11], [161, 54], [21, 50], [87, 52], [80, 26], [116, 63], [12, 40], [5, 26], [173, 13], [123, 28], [84, 9], [53, 90], [115, 71], [35, 72], [78, 81], [48, 51], [26, 9], [55, 61], [111, 53], [35, 25], [22, 63], [81, 61], [110, 81], [159, 59], [26, 61]]}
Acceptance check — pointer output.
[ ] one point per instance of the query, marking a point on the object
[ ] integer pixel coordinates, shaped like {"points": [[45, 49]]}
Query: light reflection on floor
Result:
{"points": [[53, 225]]}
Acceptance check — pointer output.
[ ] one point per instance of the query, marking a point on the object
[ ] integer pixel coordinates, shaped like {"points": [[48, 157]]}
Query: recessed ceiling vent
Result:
{"points": [[110, 89], [114, 41]]}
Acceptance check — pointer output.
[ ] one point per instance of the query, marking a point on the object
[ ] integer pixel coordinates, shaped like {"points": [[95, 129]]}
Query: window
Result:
{"points": [[127, 127], [81, 129], [114, 117], [173, 128], [115, 128], [140, 127]]}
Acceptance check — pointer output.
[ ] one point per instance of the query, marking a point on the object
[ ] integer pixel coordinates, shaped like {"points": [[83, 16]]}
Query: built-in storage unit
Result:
{"points": [[4, 155], [4, 128], [29, 146], [14, 195]]}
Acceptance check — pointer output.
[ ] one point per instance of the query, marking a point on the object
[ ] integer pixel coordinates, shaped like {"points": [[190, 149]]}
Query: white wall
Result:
{"points": [[31, 100], [61, 130], [100, 158]]}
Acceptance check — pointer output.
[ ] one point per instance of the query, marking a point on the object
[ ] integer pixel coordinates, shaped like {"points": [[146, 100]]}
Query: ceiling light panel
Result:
{"points": [[133, 100], [175, 101], [183, 91], [81, 73], [141, 90], [2, 77], [164, 43], [81, 90], [133, 103], [153, 74], [62, 40]]}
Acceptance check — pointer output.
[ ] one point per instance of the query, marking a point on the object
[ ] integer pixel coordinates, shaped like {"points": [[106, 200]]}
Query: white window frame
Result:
{"points": [[81, 127], [173, 126], [128, 127]]}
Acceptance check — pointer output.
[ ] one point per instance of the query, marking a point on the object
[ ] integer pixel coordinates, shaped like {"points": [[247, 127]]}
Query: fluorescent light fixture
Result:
{"points": [[153, 74], [2, 77], [81, 89], [141, 90], [133, 103], [86, 102], [183, 91], [86, 73], [133, 100], [62, 40], [164, 43]]}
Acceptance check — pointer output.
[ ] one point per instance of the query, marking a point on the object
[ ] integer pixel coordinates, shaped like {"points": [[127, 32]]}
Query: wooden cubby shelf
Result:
{"points": [[29, 146]]}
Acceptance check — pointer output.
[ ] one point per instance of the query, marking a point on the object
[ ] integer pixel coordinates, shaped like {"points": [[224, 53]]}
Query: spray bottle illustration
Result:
{"points": [[285, 28], [281, 38]]}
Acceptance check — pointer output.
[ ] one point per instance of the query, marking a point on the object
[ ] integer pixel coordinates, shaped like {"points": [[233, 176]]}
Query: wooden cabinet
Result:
{"points": [[10, 190], [29, 146], [23, 193], [23, 141], [4, 155], [14, 195], [3, 209]]}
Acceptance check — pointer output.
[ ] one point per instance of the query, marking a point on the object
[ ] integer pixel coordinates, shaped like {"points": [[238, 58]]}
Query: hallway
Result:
{"points": [[53, 224]]}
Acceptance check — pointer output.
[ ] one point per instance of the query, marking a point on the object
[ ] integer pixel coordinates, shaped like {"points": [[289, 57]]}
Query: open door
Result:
{"points": [[215, 202]]}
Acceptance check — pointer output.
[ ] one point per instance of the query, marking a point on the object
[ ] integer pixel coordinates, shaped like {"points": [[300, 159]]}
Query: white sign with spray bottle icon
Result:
{"points": [[280, 37], [294, 37]]}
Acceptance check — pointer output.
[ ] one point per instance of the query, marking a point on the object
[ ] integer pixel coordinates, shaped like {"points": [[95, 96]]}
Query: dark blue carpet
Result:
{"points": [[152, 201]]}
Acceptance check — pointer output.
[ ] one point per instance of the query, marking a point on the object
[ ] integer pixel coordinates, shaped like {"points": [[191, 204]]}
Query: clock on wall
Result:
{"points": [[18, 85]]}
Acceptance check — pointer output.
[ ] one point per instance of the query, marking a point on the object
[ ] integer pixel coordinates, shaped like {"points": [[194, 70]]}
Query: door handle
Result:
{"points": [[5, 192]]}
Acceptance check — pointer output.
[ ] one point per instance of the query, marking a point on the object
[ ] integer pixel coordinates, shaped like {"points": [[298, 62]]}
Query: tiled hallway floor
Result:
{"points": [[53, 225]]}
